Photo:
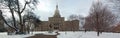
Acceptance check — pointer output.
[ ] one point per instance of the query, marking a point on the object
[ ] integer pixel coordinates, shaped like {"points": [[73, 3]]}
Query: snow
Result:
{"points": [[87, 35], [4, 35], [66, 34]]}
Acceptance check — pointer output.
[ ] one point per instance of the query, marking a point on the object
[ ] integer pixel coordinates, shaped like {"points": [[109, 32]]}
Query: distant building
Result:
{"points": [[58, 23], [116, 28]]}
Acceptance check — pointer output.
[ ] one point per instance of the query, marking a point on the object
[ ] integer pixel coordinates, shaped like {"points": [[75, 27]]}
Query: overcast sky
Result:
{"points": [[46, 8]]}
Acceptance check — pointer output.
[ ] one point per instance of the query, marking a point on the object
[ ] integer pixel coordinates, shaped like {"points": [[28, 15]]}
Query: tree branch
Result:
{"points": [[24, 7], [18, 6], [6, 21]]}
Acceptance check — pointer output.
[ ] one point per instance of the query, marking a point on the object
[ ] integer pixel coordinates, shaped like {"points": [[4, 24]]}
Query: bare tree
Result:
{"points": [[31, 21], [15, 6], [115, 6], [100, 18]]}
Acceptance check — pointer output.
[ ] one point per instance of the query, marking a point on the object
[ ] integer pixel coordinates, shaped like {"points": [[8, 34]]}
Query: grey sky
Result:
{"points": [[46, 8]]}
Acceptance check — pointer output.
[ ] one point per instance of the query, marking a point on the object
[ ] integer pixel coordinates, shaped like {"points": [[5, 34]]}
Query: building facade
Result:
{"points": [[116, 28], [58, 23]]}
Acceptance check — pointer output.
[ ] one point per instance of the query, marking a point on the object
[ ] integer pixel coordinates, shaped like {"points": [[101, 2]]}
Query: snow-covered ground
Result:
{"points": [[66, 34], [87, 35]]}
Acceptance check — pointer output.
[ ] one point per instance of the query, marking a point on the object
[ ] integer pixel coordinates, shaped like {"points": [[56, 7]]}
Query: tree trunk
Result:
{"points": [[21, 24], [21, 30], [20, 19], [13, 18], [98, 33]]}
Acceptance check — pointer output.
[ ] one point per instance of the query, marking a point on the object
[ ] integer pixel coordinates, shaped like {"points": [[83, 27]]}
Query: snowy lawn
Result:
{"points": [[87, 35], [66, 34]]}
